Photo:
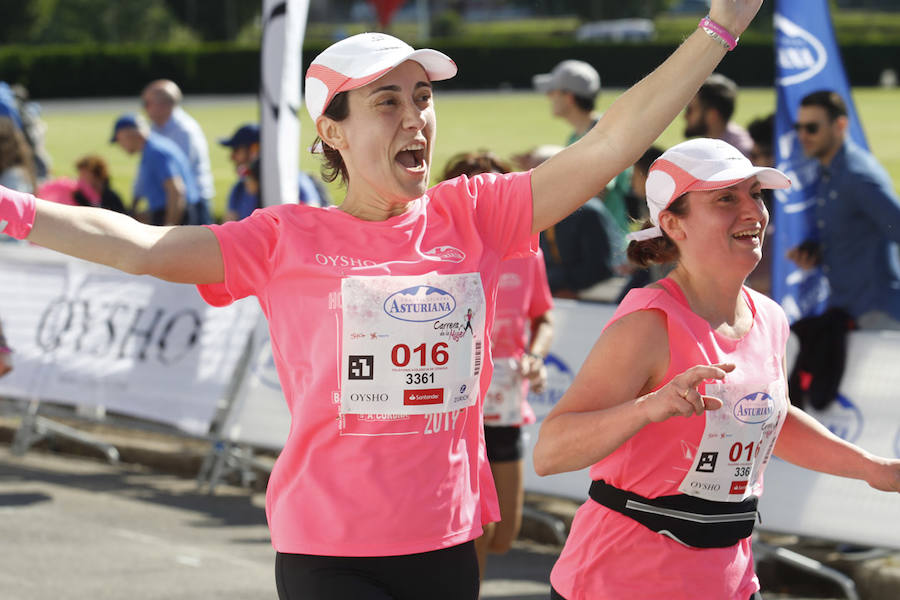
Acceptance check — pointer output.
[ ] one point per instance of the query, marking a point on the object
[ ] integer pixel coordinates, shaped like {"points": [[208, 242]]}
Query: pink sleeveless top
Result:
{"points": [[610, 556]]}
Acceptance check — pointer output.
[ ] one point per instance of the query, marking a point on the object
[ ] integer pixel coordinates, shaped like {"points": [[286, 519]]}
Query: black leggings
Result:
{"points": [[447, 574], [554, 595]]}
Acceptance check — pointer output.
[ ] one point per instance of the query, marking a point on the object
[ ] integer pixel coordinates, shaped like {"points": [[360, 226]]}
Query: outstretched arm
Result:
{"points": [[634, 121], [179, 254], [807, 443]]}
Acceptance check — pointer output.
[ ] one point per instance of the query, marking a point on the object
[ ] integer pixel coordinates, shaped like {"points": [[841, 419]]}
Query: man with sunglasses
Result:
{"points": [[857, 217]]}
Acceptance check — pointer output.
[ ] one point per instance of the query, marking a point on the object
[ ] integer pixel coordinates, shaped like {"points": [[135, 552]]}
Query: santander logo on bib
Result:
{"points": [[446, 253], [420, 303], [754, 408]]}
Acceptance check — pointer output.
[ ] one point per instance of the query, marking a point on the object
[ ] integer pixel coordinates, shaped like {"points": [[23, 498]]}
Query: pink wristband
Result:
{"points": [[718, 33], [17, 211]]}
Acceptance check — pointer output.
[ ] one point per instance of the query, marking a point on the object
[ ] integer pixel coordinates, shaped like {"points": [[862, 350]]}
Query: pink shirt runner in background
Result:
{"points": [[523, 295], [608, 555], [361, 485]]}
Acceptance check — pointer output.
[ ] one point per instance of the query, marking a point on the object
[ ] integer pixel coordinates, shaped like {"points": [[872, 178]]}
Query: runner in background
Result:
{"points": [[6, 364], [523, 332], [678, 406], [383, 483]]}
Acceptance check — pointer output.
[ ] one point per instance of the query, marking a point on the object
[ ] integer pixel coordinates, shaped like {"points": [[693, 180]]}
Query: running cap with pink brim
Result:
{"points": [[361, 59], [699, 164]]}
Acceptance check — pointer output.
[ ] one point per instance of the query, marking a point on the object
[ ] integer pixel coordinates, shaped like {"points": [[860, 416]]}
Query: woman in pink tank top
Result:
{"points": [[678, 407]]}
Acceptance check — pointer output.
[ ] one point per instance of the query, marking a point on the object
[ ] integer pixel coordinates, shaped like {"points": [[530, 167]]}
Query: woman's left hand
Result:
{"points": [[885, 474]]}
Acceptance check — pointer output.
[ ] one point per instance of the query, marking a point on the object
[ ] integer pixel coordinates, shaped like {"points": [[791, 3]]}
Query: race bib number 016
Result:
{"points": [[737, 441], [411, 345]]}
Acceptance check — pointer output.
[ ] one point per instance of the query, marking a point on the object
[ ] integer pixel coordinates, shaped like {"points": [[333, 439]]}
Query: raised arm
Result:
{"points": [[180, 254], [634, 121]]}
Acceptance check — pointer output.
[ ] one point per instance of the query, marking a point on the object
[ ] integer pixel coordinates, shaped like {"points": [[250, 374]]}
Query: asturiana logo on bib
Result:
{"points": [[420, 304], [754, 408], [801, 56]]}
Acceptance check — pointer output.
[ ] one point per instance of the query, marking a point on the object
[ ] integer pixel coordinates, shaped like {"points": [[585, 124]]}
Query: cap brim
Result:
{"points": [[543, 82], [769, 178], [437, 65]]}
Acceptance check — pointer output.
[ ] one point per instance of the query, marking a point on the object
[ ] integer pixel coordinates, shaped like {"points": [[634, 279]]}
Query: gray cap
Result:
{"points": [[575, 76]]}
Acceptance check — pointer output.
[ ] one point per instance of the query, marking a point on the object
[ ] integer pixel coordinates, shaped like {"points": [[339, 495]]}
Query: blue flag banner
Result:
{"points": [[807, 60]]}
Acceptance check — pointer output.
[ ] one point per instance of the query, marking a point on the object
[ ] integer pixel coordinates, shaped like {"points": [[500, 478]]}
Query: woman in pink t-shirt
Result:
{"points": [[383, 482], [523, 332], [678, 407]]}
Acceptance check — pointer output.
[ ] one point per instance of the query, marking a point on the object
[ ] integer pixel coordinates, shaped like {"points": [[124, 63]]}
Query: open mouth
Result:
{"points": [[412, 157], [748, 234]]}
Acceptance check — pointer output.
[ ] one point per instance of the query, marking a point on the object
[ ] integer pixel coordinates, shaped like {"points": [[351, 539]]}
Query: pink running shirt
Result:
{"points": [[609, 556], [371, 485], [523, 295]]}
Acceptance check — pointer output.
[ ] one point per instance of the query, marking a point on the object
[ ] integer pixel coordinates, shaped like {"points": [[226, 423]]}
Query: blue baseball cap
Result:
{"points": [[127, 121], [244, 136]]}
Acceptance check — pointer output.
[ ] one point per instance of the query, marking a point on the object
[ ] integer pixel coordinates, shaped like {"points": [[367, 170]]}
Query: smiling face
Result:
{"points": [[723, 229], [387, 139]]}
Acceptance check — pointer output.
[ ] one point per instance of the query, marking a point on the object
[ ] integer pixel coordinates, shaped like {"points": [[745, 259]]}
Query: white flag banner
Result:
{"points": [[284, 22], [88, 335]]}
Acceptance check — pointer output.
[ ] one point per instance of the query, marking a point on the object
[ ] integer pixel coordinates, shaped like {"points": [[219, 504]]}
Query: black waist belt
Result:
{"points": [[691, 521]]}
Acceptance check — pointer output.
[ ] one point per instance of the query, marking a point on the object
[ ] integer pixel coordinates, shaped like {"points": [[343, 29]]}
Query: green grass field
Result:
{"points": [[504, 122]]}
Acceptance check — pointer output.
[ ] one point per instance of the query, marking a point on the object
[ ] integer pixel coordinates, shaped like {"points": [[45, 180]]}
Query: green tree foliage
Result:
{"points": [[215, 20], [596, 10], [18, 20], [102, 21]]}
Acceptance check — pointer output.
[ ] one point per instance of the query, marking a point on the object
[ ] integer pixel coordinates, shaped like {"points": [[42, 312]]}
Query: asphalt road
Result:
{"points": [[77, 528]]}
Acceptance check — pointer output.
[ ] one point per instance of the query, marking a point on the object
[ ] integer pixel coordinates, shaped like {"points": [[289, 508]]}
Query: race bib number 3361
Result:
{"points": [[411, 345]]}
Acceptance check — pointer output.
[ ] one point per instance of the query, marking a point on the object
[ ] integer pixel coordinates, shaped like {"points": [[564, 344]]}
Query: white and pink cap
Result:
{"points": [[361, 59], [698, 164]]}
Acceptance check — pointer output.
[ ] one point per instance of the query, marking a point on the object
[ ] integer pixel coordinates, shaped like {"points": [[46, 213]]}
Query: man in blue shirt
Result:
{"points": [[244, 145], [857, 217], [162, 101], [164, 177]]}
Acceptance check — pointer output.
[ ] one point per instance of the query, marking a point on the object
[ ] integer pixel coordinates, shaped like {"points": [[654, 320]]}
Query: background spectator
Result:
{"points": [[16, 160], [162, 100], [572, 88], [5, 354], [762, 154], [164, 177], [244, 145], [637, 207], [709, 112], [582, 250], [93, 184], [34, 129], [762, 132], [857, 217]]}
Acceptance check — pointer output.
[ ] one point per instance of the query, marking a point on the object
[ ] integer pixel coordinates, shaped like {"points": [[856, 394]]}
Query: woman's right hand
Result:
{"points": [[680, 397]]}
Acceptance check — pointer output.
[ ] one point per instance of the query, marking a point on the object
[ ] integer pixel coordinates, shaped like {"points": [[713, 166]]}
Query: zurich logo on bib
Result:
{"points": [[420, 304]]}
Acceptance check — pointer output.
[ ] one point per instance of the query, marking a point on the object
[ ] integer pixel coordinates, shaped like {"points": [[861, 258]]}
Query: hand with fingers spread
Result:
{"points": [[680, 397]]}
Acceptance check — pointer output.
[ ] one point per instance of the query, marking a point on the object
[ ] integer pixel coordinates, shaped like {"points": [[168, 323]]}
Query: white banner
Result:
{"points": [[84, 334], [795, 500], [867, 413], [284, 22]]}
